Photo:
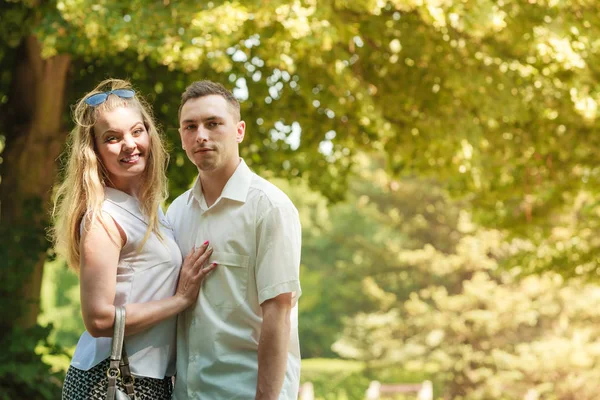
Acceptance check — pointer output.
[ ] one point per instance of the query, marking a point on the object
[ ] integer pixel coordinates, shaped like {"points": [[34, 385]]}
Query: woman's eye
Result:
{"points": [[138, 131], [110, 139]]}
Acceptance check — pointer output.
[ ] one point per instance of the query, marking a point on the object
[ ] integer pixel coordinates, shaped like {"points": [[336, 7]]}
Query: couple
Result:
{"points": [[224, 317]]}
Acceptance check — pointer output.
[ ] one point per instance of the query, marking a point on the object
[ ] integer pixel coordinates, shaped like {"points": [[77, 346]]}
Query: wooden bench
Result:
{"points": [[377, 390]]}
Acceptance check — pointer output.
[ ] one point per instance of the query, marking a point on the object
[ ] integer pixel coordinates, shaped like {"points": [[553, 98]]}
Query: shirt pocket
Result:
{"points": [[225, 287]]}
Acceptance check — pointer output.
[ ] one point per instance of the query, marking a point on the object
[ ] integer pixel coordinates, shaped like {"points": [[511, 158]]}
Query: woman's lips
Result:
{"points": [[132, 159]]}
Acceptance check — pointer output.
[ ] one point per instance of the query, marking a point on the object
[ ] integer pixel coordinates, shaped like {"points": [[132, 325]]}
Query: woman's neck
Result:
{"points": [[129, 186]]}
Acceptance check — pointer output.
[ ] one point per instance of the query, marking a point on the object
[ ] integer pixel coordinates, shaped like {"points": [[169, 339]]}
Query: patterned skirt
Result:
{"points": [[92, 385]]}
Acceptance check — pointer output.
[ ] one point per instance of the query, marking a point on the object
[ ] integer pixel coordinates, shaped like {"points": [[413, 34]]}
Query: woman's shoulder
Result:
{"points": [[101, 223]]}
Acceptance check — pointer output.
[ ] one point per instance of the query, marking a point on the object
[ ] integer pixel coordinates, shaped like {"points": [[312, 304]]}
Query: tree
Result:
{"points": [[349, 246], [446, 308], [495, 337], [492, 98]]}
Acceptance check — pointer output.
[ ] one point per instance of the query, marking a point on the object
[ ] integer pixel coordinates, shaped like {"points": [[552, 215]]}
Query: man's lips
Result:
{"points": [[203, 150]]}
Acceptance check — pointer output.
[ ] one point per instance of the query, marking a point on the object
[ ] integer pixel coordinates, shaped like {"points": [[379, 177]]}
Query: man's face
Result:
{"points": [[210, 133]]}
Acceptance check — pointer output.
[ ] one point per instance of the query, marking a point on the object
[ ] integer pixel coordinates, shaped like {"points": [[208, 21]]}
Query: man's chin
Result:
{"points": [[205, 166]]}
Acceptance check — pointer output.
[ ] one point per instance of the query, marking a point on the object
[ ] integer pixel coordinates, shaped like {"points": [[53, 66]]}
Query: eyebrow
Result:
{"points": [[110, 130], [211, 118]]}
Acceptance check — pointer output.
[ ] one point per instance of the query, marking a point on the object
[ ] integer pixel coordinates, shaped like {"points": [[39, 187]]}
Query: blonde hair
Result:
{"points": [[81, 193]]}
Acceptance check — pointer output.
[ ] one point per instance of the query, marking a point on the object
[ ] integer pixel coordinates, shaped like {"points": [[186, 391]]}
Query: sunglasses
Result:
{"points": [[99, 98]]}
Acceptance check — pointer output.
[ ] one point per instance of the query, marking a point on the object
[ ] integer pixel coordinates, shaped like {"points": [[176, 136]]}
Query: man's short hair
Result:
{"points": [[200, 89]]}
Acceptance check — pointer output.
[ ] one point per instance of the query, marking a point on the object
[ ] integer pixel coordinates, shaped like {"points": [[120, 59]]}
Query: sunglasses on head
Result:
{"points": [[99, 98]]}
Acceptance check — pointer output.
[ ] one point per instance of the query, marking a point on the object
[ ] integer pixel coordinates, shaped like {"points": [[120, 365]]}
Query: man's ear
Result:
{"points": [[240, 131]]}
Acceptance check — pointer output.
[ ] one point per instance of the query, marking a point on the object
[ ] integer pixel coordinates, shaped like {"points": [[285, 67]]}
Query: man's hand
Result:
{"points": [[273, 346]]}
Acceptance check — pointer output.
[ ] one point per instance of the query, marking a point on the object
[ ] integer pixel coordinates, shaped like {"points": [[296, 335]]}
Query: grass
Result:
{"points": [[331, 365], [335, 379]]}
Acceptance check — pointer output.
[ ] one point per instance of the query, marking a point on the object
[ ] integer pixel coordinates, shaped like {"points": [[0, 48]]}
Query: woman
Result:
{"points": [[109, 225]]}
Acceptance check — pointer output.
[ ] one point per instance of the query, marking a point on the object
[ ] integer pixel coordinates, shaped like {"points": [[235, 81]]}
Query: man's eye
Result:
{"points": [[190, 127], [213, 124]]}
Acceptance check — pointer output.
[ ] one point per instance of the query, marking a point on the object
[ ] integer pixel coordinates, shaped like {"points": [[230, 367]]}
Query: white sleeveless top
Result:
{"points": [[142, 276]]}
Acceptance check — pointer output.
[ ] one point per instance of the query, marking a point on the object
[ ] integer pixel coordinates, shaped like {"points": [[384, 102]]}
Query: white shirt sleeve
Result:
{"points": [[279, 239], [172, 216], [169, 214]]}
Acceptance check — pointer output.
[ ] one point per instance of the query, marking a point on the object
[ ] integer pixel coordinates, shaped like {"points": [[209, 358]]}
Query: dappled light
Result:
{"points": [[443, 156]]}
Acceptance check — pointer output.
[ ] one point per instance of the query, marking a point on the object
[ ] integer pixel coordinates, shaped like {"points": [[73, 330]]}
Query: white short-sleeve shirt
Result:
{"points": [[255, 232]]}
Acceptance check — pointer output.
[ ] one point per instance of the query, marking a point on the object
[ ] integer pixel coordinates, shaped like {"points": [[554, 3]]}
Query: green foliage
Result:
{"points": [[60, 306], [22, 374], [480, 331], [445, 88], [17, 19], [326, 258], [498, 339], [496, 102], [19, 248], [493, 99], [349, 246], [335, 379]]}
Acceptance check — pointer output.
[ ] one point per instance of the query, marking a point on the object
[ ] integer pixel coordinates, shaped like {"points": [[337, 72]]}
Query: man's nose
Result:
{"points": [[202, 134]]}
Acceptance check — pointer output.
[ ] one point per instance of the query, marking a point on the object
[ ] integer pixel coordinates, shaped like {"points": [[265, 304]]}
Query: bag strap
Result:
{"points": [[113, 371], [126, 376], [118, 334], [119, 363]]}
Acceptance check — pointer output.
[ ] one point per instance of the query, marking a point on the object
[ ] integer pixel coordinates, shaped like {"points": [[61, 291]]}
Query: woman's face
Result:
{"points": [[123, 145]]}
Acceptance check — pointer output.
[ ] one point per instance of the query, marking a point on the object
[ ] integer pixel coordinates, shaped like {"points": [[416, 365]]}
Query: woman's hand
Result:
{"points": [[193, 272]]}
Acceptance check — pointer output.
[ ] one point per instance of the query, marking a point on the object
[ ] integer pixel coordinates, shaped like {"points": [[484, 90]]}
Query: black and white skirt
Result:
{"points": [[92, 385]]}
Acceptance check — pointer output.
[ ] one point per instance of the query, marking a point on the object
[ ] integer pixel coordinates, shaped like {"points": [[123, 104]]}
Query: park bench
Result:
{"points": [[306, 391]]}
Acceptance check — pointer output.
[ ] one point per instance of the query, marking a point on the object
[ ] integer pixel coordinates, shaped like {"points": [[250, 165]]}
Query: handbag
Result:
{"points": [[119, 363]]}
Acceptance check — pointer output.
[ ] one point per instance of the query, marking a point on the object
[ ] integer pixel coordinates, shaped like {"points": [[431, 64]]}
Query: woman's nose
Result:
{"points": [[129, 142]]}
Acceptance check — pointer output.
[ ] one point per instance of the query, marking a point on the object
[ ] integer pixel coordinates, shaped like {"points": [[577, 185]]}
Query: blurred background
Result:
{"points": [[443, 155]]}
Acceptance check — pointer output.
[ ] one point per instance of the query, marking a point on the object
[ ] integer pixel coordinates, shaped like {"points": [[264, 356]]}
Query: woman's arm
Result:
{"points": [[100, 249]]}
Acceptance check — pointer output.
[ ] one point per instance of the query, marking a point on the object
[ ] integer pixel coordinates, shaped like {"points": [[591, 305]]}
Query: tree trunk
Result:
{"points": [[34, 138]]}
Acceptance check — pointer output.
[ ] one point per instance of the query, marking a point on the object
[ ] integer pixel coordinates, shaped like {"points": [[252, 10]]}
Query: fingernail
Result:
{"points": [[205, 243], [209, 248], [213, 264]]}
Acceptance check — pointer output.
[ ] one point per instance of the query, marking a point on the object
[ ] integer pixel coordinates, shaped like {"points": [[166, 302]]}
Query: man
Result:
{"points": [[240, 341]]}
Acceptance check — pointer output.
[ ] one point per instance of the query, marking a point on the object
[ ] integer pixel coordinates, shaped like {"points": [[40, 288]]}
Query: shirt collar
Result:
{"points": [[125, 201], [235, 189]]}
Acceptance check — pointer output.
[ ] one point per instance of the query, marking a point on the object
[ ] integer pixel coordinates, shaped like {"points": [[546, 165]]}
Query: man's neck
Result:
{"points": [[213, 182]]}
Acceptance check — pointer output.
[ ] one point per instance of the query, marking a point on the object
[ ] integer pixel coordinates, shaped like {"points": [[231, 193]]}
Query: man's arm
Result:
{"points": [[273, 346]]}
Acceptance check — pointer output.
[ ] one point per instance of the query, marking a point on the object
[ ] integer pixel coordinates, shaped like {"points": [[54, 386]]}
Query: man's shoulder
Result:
{"points": [[267, 194], [179, 202]]}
